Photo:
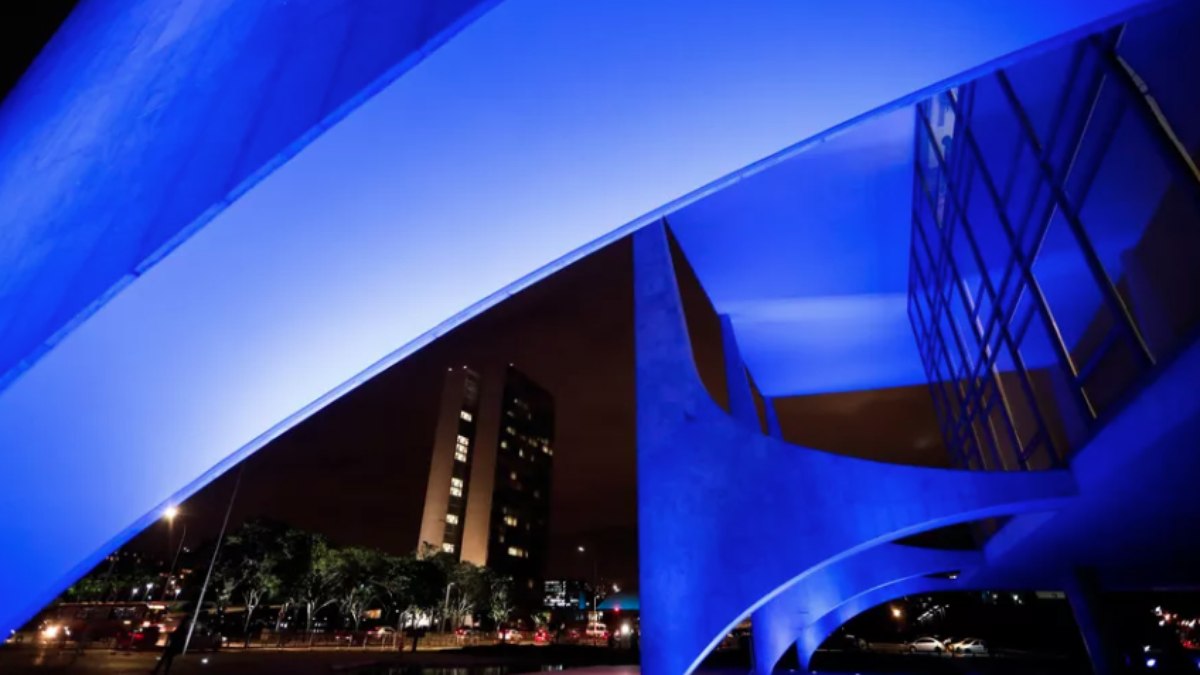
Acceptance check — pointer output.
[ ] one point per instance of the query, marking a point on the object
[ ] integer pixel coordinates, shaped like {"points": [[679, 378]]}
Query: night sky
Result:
{"points": [[24, 28], [357, 470]]}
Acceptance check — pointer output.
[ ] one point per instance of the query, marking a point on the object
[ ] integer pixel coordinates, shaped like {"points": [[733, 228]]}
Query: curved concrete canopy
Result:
{"points": [[827, 235], [517, 147]]}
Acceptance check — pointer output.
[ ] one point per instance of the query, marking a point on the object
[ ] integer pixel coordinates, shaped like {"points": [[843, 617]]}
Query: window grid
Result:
{"points": [[974, 317]]}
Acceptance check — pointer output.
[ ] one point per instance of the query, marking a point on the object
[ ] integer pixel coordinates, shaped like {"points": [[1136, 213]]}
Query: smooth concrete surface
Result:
{"points": [[734, 516], [778, 623], [539, 132]]}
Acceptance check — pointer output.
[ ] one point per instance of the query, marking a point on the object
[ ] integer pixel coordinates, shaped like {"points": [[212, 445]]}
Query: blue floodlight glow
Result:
{"points": [[521, 144]]}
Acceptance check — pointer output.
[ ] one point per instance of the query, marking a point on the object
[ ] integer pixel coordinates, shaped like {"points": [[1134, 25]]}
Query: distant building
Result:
{"points": [[488, 496], [564, 594]]}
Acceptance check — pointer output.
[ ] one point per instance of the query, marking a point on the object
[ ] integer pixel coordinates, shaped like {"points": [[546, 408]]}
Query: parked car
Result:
{"points": [[926, 645], [464, 632], [542, 637], [380, 635], [140, 639], [510, 635], [969, 647], [596, 631]]}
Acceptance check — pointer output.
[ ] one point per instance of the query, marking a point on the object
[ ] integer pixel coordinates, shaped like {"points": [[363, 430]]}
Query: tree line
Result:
{"points": [[270, 564]]}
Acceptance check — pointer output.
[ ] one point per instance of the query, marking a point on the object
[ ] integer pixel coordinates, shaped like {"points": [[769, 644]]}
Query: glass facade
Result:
{"points": [[1056, 233]]}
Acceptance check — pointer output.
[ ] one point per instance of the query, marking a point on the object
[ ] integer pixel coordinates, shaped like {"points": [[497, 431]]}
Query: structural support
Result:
{"points": [[774, 430], [735, 516], [737, 383], [1083, 593], [820, 630], [785, 619]]}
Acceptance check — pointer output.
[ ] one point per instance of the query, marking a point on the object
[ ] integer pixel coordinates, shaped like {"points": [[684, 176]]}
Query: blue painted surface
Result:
{"points": [[809, 261], [516, 147], [737, 517], [811, 637], [777, 624], [141, 118]]}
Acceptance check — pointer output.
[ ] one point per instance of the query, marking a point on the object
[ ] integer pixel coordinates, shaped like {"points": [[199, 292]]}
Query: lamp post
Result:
{"points": [[187, 641], [170, 514], [595, 582], [446, 608]]}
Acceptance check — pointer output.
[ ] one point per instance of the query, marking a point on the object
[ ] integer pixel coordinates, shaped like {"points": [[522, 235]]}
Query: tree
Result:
{"points": [[427, 586], [500, 606], [357, 572], [256, 551], [310, 574], [471, 584]]}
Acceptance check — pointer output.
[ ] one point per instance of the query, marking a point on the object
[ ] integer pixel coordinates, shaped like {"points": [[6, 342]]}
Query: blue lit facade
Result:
{"points": [[1053, 296], [172, 251]]}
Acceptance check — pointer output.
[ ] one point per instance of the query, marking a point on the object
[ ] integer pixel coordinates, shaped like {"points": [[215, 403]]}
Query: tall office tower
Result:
{"points": [[488, 497]]}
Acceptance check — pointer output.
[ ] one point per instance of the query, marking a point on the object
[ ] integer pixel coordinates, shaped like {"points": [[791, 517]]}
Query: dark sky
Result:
{"points": [[24, 28], [357, 470]]}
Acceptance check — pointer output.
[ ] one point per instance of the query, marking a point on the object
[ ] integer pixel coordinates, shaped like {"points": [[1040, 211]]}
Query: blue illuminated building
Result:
{"points": [[216, 217]]}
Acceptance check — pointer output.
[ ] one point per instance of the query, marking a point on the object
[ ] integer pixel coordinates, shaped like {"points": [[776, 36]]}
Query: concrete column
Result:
{"points": [[1082, 592], [773, 428], [741, 399]]}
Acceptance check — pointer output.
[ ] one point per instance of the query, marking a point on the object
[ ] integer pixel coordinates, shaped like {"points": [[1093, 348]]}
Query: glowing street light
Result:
{"points": [[897, 612], [170, 513]]}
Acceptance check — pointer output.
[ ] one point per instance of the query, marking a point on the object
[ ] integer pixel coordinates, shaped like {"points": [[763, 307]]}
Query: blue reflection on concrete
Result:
{"points": [[513, 149]]}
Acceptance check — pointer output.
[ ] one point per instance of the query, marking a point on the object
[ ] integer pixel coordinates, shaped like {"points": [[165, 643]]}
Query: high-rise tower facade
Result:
{"points": [[487, 500]]}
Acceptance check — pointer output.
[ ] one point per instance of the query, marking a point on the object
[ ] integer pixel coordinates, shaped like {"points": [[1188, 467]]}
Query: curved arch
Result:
{"points": [[737, 501], [779, 623], [337, 260], [810, 639]]}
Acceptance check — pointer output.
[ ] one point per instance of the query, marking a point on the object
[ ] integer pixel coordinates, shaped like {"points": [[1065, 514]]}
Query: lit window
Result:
{"points": [[520, 453], [455, 491], [452, 518], [510, 521], [465, 416], [448, 548], [463, 440], [511, 431], [513, 475], [503, 444], [546, 449], [456, 482], [517, 552], [460, 455]]}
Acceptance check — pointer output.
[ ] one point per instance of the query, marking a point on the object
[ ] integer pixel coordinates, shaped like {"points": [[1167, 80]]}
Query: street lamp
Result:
{"points": [[446, 608], [595, 583], [170, 514]]}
